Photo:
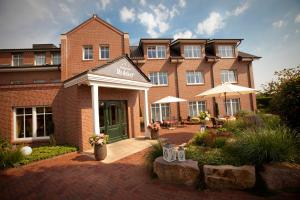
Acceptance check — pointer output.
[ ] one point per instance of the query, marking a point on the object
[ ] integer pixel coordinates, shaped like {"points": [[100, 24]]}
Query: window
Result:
{"points": [[228, 76], [232, 106], [56, 58], [88, 53], [40, 59], [17, 59], [33, 123], [194, 77], [195, 107], [155, 52], [104, 52], [159, 78], [226, 51], [192, 51], [165, 111]]}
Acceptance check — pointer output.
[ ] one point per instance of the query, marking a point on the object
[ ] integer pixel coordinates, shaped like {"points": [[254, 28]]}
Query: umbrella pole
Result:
{"points": [[225, 104]]}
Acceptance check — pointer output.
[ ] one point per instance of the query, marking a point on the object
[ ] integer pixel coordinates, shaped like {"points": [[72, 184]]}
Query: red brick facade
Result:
{"points": [[72, 106]]}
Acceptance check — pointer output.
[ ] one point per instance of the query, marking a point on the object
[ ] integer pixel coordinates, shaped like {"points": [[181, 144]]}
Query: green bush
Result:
{"points": [[220, 142], [264, 145], [242, 113], [44, 152], [9, 156], [201, 139], [155, 152], [271, 121], [210, 156], [235, 127]]}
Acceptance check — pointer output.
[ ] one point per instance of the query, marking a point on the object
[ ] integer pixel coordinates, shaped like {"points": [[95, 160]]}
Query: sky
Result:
{"points": [[270, 28]]}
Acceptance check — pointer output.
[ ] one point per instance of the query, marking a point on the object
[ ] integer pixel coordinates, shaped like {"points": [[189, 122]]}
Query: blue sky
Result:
{"points": [[270, 28]]}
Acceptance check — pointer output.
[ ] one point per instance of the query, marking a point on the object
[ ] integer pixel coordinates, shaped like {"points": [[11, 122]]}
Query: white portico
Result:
{"points": [[120, 73]]}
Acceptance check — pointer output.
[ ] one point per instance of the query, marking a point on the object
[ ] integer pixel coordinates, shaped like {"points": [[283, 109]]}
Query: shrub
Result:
{"points": [[271, 121], [220, 142], [9, 156], [242, 113], [264, 145], [201, 139], [155, 152], [235, 127]]}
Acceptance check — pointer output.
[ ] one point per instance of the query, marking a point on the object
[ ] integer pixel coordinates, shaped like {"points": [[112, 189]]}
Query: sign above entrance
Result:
{"points": [[122, 69]]}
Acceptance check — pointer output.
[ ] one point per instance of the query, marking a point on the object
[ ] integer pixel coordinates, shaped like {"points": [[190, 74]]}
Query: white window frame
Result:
{"points": [[34, 125], [227, 72], [35, 59], [19, 58], [197, 104], [156, 51], [192, 49], [158, 74], [83, 52], [224, 51], [52, 58], [100, 52], [195, 74], [231, 102], [163, 107]]}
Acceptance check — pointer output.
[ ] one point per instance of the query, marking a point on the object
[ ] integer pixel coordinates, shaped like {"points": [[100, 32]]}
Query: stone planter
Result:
{"points": [[100, 152], [229, 177], [279, 176], [154, 134]]}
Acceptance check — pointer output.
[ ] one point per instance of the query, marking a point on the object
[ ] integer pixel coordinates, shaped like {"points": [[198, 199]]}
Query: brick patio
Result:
{"points": [[76, 176]]}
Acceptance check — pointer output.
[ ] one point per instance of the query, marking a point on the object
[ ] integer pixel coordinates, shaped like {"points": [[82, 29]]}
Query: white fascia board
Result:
{"points": [[76, 81]]}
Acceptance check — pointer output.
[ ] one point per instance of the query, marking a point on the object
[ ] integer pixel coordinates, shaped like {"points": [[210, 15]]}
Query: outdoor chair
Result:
{"points": [[216, 123]]}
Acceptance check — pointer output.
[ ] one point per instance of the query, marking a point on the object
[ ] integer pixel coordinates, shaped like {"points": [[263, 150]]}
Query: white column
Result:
{"points": [[160, 113], [95, 107], [146, 114]]}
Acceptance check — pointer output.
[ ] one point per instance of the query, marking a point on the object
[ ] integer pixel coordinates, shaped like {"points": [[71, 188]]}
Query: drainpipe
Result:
{"points": [[212, 86], [177, 89], [250, 85]]}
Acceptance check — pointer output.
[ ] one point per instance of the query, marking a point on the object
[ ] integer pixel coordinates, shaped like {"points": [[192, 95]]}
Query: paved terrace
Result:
{"points": [[78, 176]]}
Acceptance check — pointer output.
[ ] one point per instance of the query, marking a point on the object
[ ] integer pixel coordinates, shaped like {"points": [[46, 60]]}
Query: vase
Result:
{"points": [[154, 134], [100, 152]]}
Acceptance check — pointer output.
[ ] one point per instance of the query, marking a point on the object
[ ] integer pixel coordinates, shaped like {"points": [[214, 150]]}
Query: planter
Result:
{"points": [[154, 134], [100, 152]]}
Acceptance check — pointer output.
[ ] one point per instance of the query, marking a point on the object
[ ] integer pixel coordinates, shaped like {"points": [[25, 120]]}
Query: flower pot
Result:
{"points": [[100, 152], [154, 134]]}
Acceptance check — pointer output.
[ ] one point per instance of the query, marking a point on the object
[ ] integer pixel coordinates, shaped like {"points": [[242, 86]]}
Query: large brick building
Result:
{"points": [[96, 82]]}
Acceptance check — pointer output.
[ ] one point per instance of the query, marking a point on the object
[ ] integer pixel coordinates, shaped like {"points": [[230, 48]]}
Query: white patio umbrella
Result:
{"points": [[226, 89], [168, 99]]}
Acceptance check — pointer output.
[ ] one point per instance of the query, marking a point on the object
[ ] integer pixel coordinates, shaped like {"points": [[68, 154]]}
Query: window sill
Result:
{"points": [[196, 58], [87, 59], [36, 139], [227, 57], [103, 59], [160, 85], [192, 84], [156, 58]]}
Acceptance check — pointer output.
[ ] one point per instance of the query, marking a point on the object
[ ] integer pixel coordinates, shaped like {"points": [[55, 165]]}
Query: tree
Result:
{"points": [[285, 93]]}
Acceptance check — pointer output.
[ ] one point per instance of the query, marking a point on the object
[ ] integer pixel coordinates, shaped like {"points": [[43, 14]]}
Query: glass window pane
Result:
{"points": [[49, 124], [48, 109], [20, 126], [40, 109], [19, 111], [40, 125], [28, 110], [28, 126]]}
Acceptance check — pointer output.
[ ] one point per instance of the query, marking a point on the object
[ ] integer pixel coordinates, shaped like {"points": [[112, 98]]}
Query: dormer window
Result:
{"points": [[87, 52], [17, 59], [226, 51], [40, 59], [156, 52], [56, 58], [192, 51]]}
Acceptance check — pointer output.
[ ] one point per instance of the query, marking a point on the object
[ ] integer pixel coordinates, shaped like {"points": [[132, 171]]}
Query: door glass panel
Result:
{"points": [[20, 126], [28, 126], [113, 111], [49, 124], [40, 125], [101, 114]]}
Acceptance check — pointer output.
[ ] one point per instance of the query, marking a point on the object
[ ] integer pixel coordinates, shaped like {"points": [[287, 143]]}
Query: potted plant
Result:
{"points": [[99, 143], [154, 128], [204, 118]]}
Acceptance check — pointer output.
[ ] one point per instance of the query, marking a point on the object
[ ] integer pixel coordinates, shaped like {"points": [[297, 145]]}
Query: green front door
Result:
{"points": [[113, 119]]}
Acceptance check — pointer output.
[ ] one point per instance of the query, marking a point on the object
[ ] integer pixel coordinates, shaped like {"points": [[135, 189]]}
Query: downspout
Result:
{"points": [[177, 90], [250, 86], [212, 86]]}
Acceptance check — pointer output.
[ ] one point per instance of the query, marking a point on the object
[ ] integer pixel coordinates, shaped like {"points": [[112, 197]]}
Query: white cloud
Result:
{"points": [[127, 15], [285, 37], [211, 25], [239, 9], [297, 19], [278, 24], [184, 34], [101, 5], [148, 20], [143, 2], [182, 3]]}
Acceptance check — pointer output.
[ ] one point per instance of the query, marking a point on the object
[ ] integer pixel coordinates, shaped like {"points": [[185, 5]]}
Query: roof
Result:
{"points": [[136, 52], [20, 50], [108, 63], [194, 40], [246, 55], [96, 18]]}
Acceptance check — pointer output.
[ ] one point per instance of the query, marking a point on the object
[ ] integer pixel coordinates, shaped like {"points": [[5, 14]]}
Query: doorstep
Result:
{"points": [[123, 148]]}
